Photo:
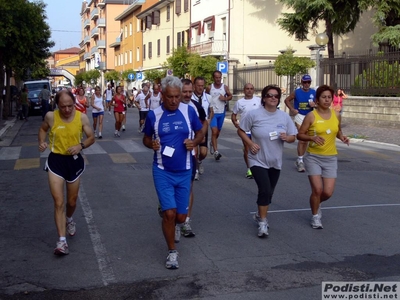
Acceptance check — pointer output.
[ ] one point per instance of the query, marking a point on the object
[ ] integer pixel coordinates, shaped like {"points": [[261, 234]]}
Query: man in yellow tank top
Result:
{"points": [[65, 163], [320, 128]]}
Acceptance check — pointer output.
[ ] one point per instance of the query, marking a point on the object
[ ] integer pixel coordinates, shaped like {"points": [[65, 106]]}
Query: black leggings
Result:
{"points": [[266, 180]]}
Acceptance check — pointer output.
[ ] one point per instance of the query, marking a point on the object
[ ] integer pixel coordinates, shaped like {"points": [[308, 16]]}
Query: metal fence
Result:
{"points": [[259, 76], [372, 74]]}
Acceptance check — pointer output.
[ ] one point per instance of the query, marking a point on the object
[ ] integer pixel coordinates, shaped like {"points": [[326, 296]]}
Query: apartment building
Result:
{"points": [[99, 29], [209, 27]]}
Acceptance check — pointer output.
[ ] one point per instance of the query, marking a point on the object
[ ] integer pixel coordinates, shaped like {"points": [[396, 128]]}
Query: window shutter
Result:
{"points": [[156, 17], [150, 50], [167, 44], [178, 6], [178, 39], [186, 5], [144, 52], [158, 47], [148, 22]]}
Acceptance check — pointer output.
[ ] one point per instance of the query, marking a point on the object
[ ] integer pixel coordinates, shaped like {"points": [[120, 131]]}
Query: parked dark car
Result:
{"points": [[36, 104]]}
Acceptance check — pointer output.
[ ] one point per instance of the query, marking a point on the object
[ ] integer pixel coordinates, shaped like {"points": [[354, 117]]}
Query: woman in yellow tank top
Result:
{"points": [[320, 128]]}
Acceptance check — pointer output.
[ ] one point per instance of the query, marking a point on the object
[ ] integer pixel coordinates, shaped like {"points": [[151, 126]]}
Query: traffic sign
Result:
{"points": [[131, 76], [222, 66], [139, 76]]}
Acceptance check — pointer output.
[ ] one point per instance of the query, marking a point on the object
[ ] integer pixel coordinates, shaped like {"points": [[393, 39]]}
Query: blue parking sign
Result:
{"points": [[139, 76], [222, 66]]}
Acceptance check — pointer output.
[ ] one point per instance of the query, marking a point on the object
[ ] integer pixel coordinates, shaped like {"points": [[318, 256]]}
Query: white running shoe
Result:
{"points": [[316, 222], [172, 260], [262, 229]]}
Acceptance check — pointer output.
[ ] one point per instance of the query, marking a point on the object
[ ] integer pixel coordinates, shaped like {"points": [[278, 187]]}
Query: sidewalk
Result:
{"points": [[359, 133]]}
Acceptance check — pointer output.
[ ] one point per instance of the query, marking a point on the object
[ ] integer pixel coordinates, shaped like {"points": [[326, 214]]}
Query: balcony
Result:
{"points": [[94, 32], [86, 9], [94, 14], [86, 40], [86, 56], [86, 24], [101, 22], [101, 44], [94, 50], [211, 47]]}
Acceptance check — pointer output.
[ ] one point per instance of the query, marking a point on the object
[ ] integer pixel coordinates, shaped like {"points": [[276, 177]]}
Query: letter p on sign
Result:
{"points": [[222, 67]]}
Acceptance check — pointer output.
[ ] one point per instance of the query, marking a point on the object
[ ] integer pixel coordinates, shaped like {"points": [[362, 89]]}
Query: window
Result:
{"points": [[158, 47], [150, 50], [116, 60], [126, 58], [167, 44], [139, 25], [130, 56], [142, 25], [185, 5], [178, 7], [137, 54], [168, 12], [178, 39], [144, 52], [130, 28], [156, 17], [149, 22], [126, 31], [183, 38]]}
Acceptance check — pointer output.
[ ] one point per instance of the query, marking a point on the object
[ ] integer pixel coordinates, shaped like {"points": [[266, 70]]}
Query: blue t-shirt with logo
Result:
{"points": [[301, 100], [172, 128]]}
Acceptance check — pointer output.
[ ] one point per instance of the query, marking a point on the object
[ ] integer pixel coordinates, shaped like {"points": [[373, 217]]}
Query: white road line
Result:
{"points": [[131, 146], [10, 153], [106, 270], [332, 207]]}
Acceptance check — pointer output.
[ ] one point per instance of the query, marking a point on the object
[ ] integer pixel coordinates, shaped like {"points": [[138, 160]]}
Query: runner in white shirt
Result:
{"points": [[242, 106], [204, 99], [155, 99], [142, 103], [108, 94]]}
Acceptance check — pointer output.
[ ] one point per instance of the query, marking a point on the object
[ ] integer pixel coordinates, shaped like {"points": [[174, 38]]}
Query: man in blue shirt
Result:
{"points": [[172, 131], [303, 102]]}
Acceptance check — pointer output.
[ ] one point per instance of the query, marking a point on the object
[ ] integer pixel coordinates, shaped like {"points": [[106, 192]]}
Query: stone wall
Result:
{"points": [[379, 111]]}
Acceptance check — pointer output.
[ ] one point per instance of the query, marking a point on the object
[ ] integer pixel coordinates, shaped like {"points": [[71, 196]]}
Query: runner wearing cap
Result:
{"points": [[303, 103]]}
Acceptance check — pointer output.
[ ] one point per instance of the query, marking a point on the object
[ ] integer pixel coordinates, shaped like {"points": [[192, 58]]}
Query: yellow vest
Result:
{"points": [[65, 135], [327, 129]]}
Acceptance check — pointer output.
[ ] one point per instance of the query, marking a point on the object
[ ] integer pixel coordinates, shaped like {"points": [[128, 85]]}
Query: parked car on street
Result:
{"points": [[34, 88]]}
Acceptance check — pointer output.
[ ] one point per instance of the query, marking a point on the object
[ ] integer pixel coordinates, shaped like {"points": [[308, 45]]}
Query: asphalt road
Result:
{"points": [[119, 251]]}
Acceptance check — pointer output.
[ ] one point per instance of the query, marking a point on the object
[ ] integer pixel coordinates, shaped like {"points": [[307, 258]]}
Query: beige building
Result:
{"points": [[165, 26]]}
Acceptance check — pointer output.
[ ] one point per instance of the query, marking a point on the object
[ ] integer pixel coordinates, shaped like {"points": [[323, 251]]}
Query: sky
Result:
{"points": [[64, 19]]}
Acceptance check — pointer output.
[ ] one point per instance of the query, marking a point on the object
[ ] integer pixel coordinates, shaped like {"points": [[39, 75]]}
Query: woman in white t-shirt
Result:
{"points": [[98, 111]]}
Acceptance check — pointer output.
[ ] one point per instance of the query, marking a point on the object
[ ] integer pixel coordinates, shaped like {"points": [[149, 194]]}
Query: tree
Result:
{"points": [[289, 65], [340, 17], [91, 76], [24, 41], [387, 19], [112, 76], [155, 76], [178, 61], [202, 66]]}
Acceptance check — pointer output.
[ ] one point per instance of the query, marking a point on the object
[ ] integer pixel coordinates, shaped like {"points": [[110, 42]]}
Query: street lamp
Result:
{"points": [[321, 39]]}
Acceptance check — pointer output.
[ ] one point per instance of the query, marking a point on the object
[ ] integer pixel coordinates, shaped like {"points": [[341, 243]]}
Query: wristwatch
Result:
{"points": [[83, 146]]}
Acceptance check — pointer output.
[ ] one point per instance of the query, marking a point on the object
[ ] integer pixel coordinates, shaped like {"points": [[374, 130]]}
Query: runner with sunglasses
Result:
{"points": [[303, 102]]}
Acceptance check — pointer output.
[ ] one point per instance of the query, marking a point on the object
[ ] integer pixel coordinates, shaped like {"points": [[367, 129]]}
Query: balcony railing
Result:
{"points": [[93, 50], [101, 22], [86, 56], [86, 23], [212, 47], [101, 44], [86, 40], [94, 32], [94, 14]]}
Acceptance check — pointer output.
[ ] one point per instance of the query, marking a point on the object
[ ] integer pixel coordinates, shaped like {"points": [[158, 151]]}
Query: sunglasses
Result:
{"points": [[276, 96], [309, 82]]}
